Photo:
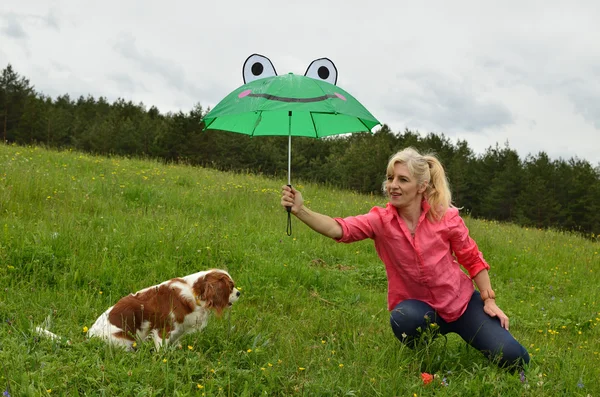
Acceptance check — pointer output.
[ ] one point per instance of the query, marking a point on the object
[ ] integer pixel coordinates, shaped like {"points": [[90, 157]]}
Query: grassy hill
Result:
{"points": [[77, 232]]}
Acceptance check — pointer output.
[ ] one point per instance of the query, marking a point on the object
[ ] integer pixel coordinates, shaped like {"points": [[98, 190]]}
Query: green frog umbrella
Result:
{"points": [[289, 105]]}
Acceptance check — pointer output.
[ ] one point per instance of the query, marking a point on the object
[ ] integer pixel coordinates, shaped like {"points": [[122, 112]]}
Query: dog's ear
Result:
{"points": [[215, 288]]}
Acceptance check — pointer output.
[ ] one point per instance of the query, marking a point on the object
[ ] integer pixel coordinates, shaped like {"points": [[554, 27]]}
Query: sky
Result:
{"points": [[526, 73]]}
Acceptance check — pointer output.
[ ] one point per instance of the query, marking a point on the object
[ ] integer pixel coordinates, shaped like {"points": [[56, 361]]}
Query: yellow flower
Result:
{"points": [[341, 365], [190, 347], [85, 329], [269, 364], [164, 360], [200, 386], [249, 350], [49, 391], [262, 368], [301, 368], [134, 344]]}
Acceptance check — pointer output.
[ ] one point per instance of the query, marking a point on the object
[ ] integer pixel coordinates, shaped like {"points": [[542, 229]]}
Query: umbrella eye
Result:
{"points": [[257, 67], [322, 69]]}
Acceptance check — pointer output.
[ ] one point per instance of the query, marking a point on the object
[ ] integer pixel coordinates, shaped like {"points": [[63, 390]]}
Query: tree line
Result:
{"points": [[536, 191]]}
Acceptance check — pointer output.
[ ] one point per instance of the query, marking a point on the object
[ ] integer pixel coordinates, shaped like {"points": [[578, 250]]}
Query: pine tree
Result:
{"points": [[505, 183], [537, 204], [14, 91]]}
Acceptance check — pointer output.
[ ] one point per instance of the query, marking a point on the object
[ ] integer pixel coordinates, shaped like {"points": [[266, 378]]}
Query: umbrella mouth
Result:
{"points": [[288, 99]]}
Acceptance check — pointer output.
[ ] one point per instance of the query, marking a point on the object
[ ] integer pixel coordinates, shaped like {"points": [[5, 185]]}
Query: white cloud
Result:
{"points": [[12, 27], [526, 72]]}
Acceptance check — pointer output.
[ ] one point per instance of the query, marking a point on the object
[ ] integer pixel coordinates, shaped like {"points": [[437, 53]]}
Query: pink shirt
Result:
{"points": [[421, 267]]}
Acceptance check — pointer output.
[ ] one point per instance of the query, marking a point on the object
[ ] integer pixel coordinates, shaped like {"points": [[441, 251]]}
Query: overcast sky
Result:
{"points": [[526, 72]]}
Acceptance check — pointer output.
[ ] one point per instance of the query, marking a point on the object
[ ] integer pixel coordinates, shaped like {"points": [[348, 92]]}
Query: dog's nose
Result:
{"points": [[237, 293]]}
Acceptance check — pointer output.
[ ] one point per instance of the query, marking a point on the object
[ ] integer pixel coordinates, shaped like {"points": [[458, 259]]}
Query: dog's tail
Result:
{"points": [[43, 331]]}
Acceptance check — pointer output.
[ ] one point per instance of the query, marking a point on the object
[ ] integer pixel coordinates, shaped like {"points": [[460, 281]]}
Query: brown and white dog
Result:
{"points": [[164, 312]]}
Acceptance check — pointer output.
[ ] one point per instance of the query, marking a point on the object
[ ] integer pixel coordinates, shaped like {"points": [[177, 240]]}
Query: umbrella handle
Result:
{"points": [[289, 218]]}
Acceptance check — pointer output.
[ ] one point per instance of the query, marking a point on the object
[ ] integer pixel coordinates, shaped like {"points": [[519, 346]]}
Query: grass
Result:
{"points": [[77, 232]]}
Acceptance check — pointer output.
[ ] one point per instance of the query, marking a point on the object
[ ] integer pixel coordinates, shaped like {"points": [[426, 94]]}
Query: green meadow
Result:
{"points": [[77, 232]]}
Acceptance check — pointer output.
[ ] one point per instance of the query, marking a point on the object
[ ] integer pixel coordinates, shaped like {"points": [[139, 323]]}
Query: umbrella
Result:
{"points": [[289, 105]]}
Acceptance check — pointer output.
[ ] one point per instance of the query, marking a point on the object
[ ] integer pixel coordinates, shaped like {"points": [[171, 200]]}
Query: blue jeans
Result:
{"points": [[477, 328]]}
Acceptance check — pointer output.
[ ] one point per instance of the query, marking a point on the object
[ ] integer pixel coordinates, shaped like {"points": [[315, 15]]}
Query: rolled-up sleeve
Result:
{"points": [[464, 247], [356, 228]]}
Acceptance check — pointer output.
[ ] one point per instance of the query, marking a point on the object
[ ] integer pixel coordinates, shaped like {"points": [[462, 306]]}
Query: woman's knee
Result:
{"points": [[409, 317]]}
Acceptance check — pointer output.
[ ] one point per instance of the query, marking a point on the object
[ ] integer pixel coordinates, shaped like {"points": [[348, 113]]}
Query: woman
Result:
{"points": [[421, 239]]}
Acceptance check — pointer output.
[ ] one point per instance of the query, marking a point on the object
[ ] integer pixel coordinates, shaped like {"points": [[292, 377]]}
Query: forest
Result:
{"points": [[535, 191]]}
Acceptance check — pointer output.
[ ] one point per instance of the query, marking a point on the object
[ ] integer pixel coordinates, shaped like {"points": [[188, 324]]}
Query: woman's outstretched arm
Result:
{"points": [[320, 223]]}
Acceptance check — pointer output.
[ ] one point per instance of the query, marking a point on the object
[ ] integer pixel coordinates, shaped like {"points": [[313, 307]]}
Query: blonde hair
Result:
{"points": [[425, 169]]}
